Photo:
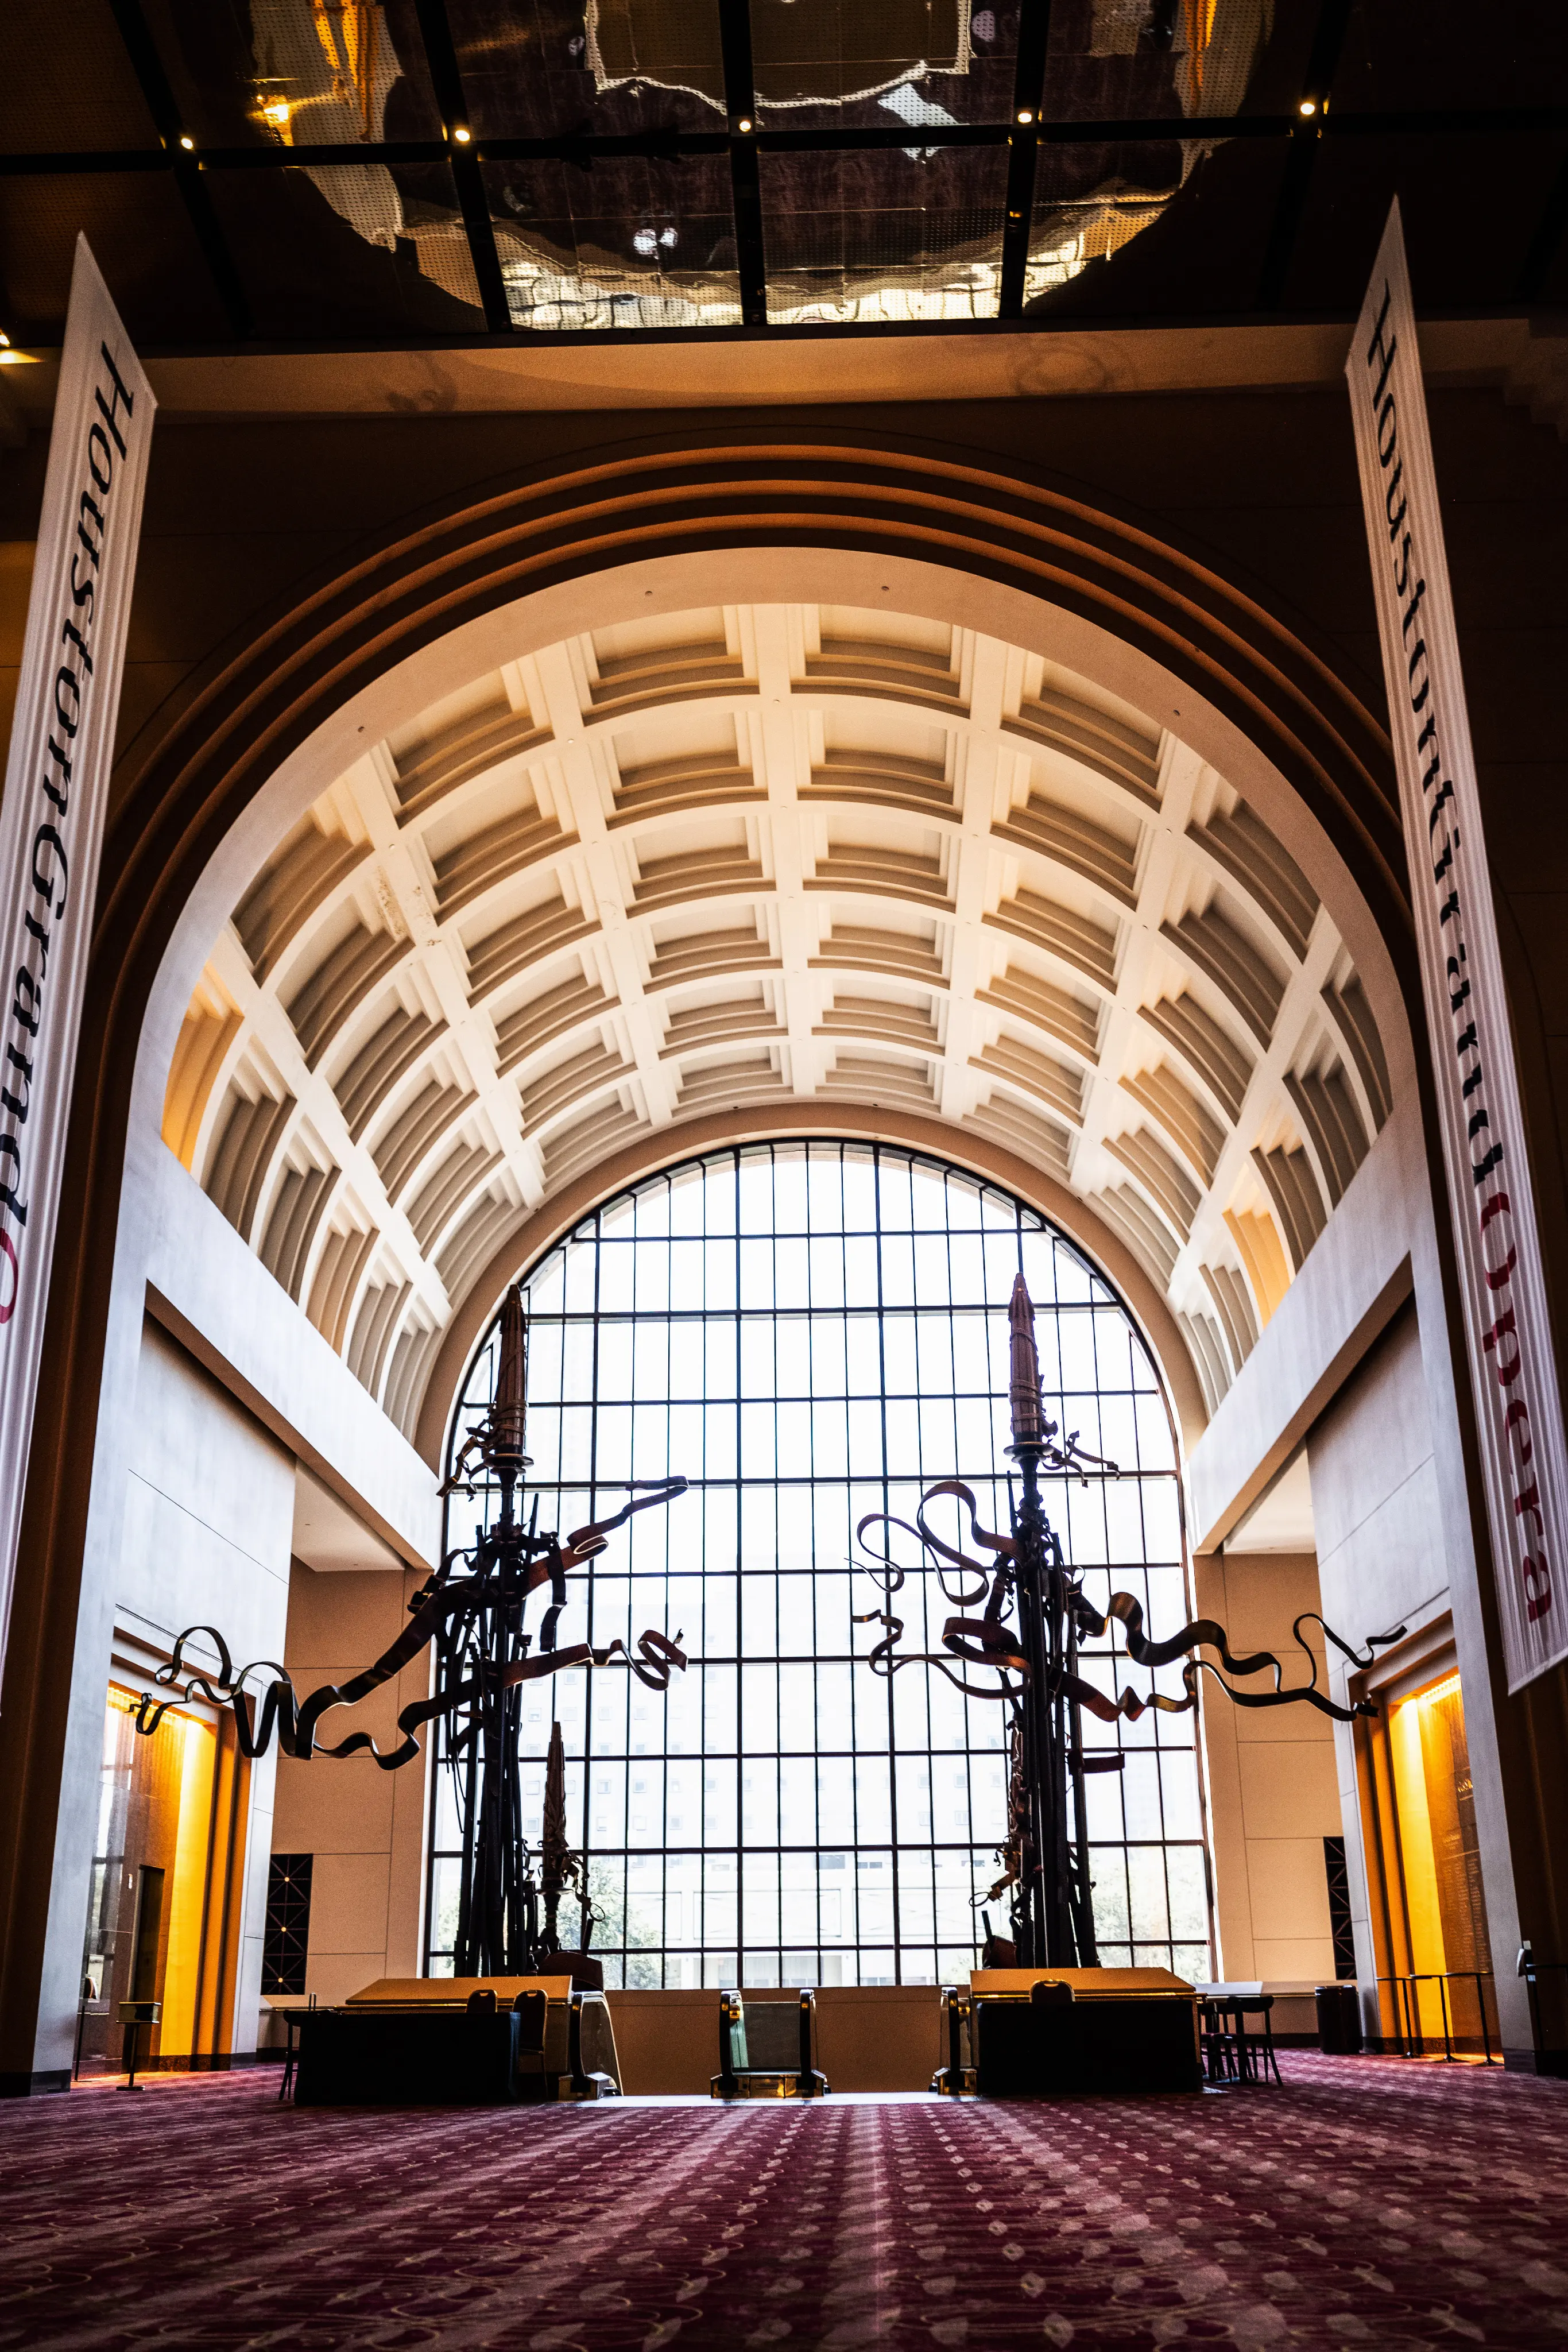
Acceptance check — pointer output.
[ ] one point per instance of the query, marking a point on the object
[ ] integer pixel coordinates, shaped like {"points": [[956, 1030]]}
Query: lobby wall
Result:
{"points": [[1273, 1787], [364, 1827]]}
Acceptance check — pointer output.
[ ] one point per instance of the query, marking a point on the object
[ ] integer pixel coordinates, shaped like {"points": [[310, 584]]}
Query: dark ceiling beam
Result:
{"points": [[581, 147], [1028, 88], [185, 163], [1544, 239], [51, 163], [744, 175], [1306, 132], [446, 81]]}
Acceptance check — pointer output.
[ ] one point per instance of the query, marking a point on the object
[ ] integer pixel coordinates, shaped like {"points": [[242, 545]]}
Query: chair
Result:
{"points": [[765, 2048], [1256, 2058], [1218, 2043], [1224, 2009]]}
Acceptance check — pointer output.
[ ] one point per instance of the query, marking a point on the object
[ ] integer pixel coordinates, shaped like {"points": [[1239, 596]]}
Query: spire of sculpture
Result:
{"points": [[554, 1859], [507, 1415], [1029, 1424]]}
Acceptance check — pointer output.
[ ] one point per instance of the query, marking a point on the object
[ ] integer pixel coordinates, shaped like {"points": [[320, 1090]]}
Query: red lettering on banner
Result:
{"points": [[1504, 1328], [1537, 1588]]}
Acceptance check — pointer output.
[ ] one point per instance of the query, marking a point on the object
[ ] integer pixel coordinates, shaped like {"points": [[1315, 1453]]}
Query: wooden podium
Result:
{"points": [[1059, 2032], [414, 2042]]}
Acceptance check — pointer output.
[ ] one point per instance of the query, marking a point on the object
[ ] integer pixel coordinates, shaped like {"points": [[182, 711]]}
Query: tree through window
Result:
{"points": [[811, 1332]]}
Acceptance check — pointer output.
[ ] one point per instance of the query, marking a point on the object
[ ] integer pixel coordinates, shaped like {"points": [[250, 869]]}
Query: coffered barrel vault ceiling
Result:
{"points": [[759, 854]]}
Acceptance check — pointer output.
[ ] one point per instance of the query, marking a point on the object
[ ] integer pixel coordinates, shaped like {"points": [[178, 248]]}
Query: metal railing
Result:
{"points": [[1407, 2009]]}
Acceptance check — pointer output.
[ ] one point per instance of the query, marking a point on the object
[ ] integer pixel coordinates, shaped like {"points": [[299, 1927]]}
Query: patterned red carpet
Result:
{"points": [[1368, 2201]]}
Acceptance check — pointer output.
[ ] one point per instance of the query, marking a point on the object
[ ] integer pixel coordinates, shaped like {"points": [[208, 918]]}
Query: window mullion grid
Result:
{"points": [[739, 1594], [816, 1860], [592, 1588], [808, 1639], [893, 1857]]}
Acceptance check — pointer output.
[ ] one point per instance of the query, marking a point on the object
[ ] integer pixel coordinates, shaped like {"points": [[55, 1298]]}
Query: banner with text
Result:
{"points": [[1512, 1369], [51, 822]]}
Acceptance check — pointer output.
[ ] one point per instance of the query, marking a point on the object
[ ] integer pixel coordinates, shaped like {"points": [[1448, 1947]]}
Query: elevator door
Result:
{"points": [[1434, 1903], [161, 1912]]}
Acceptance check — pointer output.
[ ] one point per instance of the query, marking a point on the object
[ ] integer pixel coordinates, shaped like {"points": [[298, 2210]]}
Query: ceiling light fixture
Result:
{"points": [[187, 142], [744, 122], [1025, 114], [1309, 106], [461, 134]]}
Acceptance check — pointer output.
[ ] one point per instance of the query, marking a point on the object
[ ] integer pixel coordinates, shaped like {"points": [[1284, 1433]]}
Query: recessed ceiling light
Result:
{"points": [[187, 142], [1309, 106], [461, 134], [1025, 114], [744, 122]]}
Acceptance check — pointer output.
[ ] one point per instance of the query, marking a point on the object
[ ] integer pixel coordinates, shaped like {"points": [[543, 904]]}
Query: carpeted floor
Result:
{"points": [[1368, 2201]]}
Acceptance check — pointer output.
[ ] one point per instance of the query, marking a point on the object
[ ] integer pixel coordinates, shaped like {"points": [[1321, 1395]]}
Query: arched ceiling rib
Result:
{"points": [[757, 854]]}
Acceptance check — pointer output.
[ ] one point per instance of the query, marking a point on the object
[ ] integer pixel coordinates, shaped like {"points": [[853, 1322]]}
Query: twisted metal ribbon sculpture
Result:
{"points": [[471, 1612], [992, 1640], [1027, 1635]]}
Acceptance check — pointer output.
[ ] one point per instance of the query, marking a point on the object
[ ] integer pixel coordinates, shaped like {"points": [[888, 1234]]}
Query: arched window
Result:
{"points": [[811, 1332]]}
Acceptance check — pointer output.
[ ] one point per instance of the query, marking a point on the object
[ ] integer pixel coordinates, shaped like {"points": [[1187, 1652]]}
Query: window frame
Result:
{"points": [[757, 1863]]}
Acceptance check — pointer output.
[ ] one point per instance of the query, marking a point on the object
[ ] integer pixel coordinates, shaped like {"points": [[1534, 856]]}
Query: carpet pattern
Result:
{"points": [[1366, 2202]]}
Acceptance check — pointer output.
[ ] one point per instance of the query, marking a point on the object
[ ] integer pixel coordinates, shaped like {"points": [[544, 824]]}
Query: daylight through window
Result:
{"points": [[811, 1332]]}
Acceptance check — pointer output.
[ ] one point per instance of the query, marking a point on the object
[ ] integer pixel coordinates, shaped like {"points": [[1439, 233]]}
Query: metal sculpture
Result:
{"points": [[472, 1612], [1027, 1635]]}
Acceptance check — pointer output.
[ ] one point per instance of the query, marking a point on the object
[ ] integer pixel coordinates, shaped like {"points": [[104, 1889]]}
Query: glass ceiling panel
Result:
{"points": [[859, 64], [349, 249], [1163, 226], [1126, 60], [295, 72], [66, 80], [141, 238], [542, 68], [630, 243], [1137, 240], [871, 237]]}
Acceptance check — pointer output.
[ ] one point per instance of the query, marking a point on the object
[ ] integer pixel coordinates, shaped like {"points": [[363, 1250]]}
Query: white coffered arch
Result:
{"points": [[769, 842]]}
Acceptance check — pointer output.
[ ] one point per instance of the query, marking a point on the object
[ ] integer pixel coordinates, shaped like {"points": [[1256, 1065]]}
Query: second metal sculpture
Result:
{"points": [[1033, 1613]]}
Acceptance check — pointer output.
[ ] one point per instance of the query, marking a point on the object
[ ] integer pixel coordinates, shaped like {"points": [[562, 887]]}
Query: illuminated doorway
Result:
{"points": [[162, 1917], [1434, 1955]]}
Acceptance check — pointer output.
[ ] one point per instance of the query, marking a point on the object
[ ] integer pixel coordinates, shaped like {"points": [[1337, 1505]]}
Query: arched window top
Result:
{"points": [[811, 1332]]}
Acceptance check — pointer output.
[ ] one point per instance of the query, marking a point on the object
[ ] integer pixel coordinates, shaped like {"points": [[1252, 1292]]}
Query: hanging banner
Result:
{"points": [[51, 822], [1512, 1369]]}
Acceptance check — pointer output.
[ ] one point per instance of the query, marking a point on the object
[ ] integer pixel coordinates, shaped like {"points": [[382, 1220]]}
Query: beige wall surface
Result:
{"points": [[1374, 1497], [1273, 1787], [869, 2037], [364, 1827]]}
